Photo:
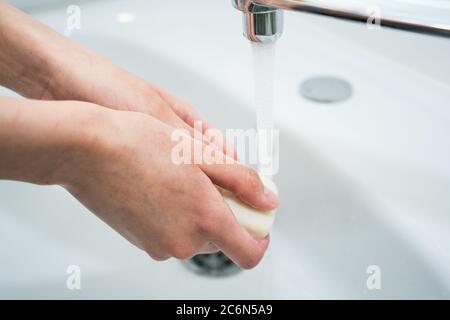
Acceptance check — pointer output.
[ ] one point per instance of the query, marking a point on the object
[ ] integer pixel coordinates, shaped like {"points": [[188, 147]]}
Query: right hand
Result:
{"points": [[125, 175]]}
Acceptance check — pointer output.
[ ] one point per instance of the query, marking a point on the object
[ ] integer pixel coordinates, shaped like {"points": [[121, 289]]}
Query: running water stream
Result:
{"points": [[263, 67], [263, 73]]}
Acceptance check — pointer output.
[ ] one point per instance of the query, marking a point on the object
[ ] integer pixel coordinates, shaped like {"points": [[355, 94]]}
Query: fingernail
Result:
{"points": [[271, 197]]}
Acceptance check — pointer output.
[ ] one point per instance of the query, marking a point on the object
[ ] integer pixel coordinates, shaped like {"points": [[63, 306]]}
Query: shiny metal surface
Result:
{"points": [[212, 265], [428, 17], [264, 26]]}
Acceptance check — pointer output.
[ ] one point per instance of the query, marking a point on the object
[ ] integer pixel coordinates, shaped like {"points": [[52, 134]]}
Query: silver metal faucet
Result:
{"points": [[263, 19]]}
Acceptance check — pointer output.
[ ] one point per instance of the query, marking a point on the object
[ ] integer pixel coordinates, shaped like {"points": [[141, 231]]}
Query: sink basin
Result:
{"points": [[365, 182]]}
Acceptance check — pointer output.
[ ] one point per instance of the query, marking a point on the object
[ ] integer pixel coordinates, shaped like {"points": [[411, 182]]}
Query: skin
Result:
{"points": [[113, 151]]}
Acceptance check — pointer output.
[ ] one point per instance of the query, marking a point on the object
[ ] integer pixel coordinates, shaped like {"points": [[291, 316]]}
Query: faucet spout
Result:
{"points": [[261, 23], [263, 20]]}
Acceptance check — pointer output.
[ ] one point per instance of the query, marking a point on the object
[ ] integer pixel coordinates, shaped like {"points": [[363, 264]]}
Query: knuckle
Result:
{"points": [[182, 251], [206, 224], [188, 118], [203, 226], [157, 256]]}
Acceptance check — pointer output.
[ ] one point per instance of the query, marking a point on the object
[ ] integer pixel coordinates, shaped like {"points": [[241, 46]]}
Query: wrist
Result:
{"points": [[85, 139], [38, 62], [23, 42], [48, 143]]}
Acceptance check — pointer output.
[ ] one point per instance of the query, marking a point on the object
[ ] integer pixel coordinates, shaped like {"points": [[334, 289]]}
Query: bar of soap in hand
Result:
{"points": [[256, 222]]}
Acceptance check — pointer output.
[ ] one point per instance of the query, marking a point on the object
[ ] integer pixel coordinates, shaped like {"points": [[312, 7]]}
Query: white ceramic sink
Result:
{"points": [[363, 182]]}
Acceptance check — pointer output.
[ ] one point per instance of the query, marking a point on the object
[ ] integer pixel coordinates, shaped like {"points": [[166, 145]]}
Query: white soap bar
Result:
{"points": [[256, 222]]}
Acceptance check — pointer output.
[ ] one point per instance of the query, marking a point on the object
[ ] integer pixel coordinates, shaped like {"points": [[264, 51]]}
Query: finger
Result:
{"points": [[244, 182], [202, 142], [190, 116], [170, 118], [186, 112], [216, 137], [238, 245]]}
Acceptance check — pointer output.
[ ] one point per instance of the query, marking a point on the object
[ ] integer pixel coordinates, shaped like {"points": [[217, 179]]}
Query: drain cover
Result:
{"points": [[326, 89], [213, 265]]}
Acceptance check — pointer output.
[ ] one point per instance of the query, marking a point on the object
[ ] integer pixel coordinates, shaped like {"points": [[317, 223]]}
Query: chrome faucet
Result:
{"points": [[263, 19]]}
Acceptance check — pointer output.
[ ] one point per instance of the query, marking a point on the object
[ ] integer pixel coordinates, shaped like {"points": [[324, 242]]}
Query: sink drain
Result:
{"points": [[212, 265], [326, 89]]}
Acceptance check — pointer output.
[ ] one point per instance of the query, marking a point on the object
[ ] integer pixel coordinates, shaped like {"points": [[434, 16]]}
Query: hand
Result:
{"points": [[127, 177], [119, 165], [96, 80], [38, 63]]}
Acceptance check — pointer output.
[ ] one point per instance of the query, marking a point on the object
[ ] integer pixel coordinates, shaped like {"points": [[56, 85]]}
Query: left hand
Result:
{"points": [[95, 79], [39, 63]]}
